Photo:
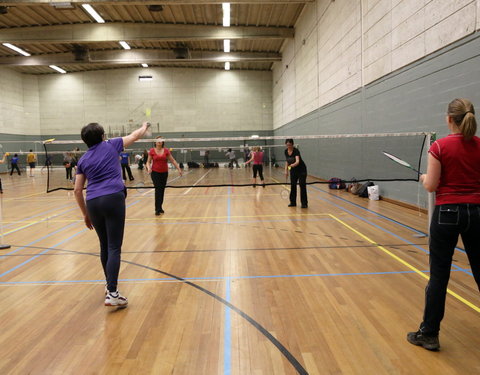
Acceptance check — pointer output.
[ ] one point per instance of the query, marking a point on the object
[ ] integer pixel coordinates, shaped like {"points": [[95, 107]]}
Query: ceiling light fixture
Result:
{"points": [[124, 44], [60, 70], [93, 13], [227, 65], [62, 5], [226, 45], [145, 65], [16, 49], [226, 14]]}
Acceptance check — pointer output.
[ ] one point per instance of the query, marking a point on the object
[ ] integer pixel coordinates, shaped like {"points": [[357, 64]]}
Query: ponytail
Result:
{"points": [[463, 115], [468, 127]]}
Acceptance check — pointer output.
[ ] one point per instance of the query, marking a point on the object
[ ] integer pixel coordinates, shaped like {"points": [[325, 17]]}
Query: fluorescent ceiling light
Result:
{"points": [[60, 70], [226, 14], [145, 65], [145, 78], [124, 44], [63, 5], [254, 136], [227, 65], [93, 13], [16, 49], [226, 45]]}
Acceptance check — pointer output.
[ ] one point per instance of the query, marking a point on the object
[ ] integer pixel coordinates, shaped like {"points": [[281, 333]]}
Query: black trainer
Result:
{"points": [[292, 205], [427, 342]]}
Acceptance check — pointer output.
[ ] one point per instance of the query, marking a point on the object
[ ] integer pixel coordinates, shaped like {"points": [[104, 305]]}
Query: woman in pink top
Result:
{"points": [[453, 172], [257, 158], [157, 165]]}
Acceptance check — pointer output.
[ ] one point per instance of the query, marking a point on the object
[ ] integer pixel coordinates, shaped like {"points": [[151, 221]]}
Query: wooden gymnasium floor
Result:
{"points": [[229, 281]]}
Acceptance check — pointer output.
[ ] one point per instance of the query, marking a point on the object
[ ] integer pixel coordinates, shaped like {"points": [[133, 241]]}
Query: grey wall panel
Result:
{"points": [[410, 99]]}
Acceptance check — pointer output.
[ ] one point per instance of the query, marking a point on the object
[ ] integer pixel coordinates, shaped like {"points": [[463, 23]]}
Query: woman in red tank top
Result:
{"points": [[257, 158], [453, 172], [157, 166]]}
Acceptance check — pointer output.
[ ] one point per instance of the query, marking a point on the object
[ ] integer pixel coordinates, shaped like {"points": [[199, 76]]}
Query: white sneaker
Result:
{"points": [[115, 299]]}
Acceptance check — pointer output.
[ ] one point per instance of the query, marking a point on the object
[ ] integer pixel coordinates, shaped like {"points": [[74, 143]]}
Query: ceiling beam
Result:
{"points": [[113, 32], [150, 2], [137, 56]]}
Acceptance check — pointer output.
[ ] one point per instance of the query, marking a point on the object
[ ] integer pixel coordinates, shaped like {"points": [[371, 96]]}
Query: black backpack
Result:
{"points": [[363, 191]]}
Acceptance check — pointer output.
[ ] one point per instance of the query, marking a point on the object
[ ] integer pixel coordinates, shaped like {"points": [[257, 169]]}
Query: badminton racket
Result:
{"points": [[140, 187], [285, 193], [400, 161]]}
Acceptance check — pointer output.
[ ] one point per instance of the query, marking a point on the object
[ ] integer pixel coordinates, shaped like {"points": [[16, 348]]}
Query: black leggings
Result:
{"points": [[107, 214], [129, 171], [68, 172], [301, 179], [159, 181], [15, 166], [258, 168]]}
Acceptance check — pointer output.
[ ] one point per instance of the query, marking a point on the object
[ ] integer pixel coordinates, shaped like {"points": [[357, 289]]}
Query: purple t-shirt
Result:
{"points": [[101, 168]]}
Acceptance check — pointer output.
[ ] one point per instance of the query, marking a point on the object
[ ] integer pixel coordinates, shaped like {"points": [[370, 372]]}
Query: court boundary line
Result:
{"points": [[379, 226], [405, 263]]}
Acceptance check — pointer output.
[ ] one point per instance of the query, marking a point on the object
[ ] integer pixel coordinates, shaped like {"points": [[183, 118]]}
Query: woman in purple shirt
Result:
{"points": [[104, 209]]}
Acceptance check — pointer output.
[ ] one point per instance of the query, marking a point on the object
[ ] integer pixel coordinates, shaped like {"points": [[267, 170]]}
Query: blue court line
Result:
{"points": [[48, 249], [39, 214], [380, 227], [39, 254], [39, 221], [227, 336], [38, 240], [216, 278]]}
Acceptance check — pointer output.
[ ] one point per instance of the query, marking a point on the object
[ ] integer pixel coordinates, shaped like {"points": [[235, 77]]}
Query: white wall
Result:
{"points": [[341, 45], [19, 103], [181, 100]]}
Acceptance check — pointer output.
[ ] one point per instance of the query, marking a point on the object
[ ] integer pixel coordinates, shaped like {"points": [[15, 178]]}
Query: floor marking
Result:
{"points": [[405, 263], [178, 218], [205, 279], [227, 335], [195, 184]]}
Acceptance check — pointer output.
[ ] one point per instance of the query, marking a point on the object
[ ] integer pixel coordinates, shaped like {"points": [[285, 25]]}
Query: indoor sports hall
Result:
{"points": [[294, 232]]}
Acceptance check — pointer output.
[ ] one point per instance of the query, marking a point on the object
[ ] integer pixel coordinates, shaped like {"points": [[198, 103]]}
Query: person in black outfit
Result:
{"points": [[14, 164], [298, 174]]}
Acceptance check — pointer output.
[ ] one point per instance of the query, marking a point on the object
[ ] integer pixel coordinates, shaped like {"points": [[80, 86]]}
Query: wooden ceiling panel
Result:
{"points": [[40, 14]]}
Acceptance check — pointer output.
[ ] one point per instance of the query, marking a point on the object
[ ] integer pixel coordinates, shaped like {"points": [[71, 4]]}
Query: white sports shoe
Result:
{"points": [[115, 299]]}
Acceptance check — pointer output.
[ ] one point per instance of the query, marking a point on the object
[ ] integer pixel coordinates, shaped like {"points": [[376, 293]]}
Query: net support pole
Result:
{"points": [[2, 244], [270, 159]]}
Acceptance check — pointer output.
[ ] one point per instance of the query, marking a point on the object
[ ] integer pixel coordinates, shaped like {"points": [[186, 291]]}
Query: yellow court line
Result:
{"points": [[22, 227], [33, 222], [405, 263], [274, 179], [25, 196], [169, 218]]}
